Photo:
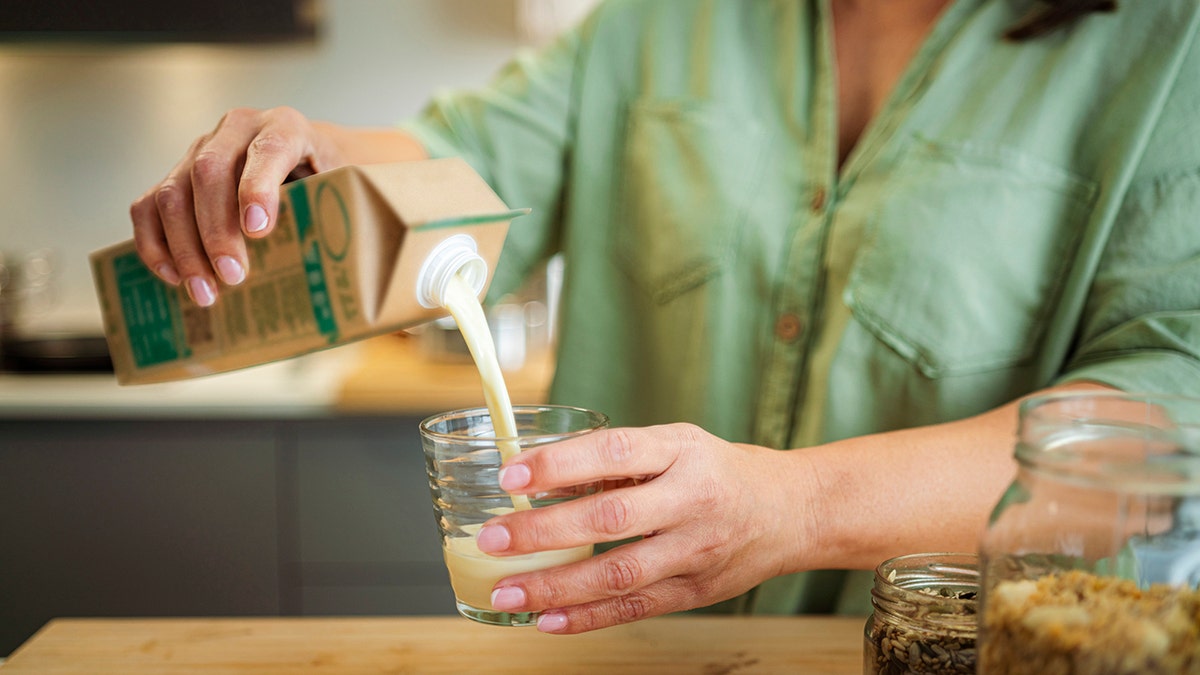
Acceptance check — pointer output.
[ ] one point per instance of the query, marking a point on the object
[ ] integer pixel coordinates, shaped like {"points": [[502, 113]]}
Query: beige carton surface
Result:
{"points": [[341, 265]]}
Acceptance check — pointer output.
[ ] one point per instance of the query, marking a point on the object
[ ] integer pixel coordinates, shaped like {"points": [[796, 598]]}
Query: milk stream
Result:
{"points": [[459, 298]]}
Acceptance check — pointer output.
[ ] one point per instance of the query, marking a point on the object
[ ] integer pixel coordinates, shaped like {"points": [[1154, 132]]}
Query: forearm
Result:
{"points": [[371, 145], [915, 490]]}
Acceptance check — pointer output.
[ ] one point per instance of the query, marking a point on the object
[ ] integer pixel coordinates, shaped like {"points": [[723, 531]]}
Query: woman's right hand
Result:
{"points": [[189, 227]]}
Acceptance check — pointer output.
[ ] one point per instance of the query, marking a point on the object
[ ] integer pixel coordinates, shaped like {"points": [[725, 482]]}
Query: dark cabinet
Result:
{"points": [[214, 518], [365, 539]]}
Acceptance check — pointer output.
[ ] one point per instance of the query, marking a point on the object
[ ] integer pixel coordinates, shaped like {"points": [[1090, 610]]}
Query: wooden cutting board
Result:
{"points": [[438, 645]]}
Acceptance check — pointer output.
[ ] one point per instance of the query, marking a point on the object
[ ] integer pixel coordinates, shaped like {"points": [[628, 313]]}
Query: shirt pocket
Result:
{"points": [[688, 173], [966, 254]]}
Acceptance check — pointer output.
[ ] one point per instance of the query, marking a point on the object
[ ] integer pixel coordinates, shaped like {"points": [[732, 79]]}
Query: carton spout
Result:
{"points": [[457, 254]]}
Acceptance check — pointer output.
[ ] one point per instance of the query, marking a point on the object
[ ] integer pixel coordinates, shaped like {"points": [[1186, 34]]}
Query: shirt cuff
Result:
{"points": [[432, 137], [1143, 372]]}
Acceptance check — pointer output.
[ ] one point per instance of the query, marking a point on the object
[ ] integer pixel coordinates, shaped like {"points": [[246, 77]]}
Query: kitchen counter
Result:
{"points": [[298, 388], [384, 375], [391, 374], [348, 646], [291, 488], [295, 488]]}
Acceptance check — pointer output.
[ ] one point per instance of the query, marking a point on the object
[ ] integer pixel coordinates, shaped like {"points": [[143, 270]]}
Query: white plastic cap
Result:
{"points": [[457, 253]]}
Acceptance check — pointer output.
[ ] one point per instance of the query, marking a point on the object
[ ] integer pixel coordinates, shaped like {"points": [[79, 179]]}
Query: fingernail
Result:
{"points": [[493, 539], [230, 270], [514, 477], [508, 598], [167, 273], [551, 622], [256, 218], [201, 291]]}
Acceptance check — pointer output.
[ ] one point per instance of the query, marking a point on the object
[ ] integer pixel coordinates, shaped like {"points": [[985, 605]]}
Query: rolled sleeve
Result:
{"points": [[1141, 329], [516, 133], [1141, 371]]}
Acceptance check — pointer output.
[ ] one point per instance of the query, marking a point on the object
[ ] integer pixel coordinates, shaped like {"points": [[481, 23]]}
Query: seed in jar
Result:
{"points": [[902, 651]]}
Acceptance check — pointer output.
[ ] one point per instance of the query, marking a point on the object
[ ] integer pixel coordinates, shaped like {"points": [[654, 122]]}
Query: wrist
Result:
{"points": [[840, 527], [810, 521], [340, 145], [328, 146]]}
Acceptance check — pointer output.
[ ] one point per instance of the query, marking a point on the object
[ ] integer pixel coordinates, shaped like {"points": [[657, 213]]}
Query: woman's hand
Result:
{"points": [[715, 519], [189, 227]]}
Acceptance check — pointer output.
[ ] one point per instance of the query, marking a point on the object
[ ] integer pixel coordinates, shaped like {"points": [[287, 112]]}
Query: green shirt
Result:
{"points": [[1017, 214]]}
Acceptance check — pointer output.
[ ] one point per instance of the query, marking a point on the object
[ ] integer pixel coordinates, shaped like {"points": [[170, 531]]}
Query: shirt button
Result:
{"points": [[818, 200], [788, 327]]}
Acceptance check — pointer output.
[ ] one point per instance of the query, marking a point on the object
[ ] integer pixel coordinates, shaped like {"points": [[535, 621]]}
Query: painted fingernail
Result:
{"points": [[256, 218], [201, 291], [514, 477], [508, 598], [493, 539], [167, 273], [231, 271], [551, 622]]}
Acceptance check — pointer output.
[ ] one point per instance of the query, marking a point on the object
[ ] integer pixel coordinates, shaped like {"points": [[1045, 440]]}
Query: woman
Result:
{"points": [[858, 229]]}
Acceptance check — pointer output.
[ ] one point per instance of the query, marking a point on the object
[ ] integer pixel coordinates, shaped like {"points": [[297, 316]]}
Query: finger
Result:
{"points": [[173, 198], [279, 147], [669, 595], [149, 239], [602, 517], [214, 180], [601, 455], [626, 569]]}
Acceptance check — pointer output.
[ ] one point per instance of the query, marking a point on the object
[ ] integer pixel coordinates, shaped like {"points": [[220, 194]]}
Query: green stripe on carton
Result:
{"points": [[301, 210], [314, 268], [153, 320], [471, 220]]}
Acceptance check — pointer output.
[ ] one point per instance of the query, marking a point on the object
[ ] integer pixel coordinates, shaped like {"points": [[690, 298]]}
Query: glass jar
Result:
{"points": [[924, 615], [1092, 557]]}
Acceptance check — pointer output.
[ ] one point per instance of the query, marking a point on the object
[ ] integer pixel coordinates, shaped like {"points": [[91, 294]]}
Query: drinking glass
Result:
{"points": [[462, 460]]}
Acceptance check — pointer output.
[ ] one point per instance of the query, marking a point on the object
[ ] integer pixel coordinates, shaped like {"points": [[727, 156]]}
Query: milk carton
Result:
{"points": [[353, 254]]}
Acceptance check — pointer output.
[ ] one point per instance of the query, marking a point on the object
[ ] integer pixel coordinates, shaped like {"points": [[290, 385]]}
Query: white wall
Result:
{"points": [[85, 129]]}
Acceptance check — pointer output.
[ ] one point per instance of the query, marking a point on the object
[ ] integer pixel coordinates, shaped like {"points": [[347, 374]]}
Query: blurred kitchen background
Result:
{"points": [[85, 128], [293, 488]]}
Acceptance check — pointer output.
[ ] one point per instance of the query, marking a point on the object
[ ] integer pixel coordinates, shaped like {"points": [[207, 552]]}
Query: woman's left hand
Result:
{"points": [[715, 519]]}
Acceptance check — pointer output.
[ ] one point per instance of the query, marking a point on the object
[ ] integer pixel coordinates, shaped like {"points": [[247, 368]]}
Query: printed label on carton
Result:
{"points": [[153, 321]]}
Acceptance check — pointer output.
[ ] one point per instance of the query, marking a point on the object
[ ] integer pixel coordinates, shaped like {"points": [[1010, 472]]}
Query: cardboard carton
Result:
{"points": [[340, 265]]}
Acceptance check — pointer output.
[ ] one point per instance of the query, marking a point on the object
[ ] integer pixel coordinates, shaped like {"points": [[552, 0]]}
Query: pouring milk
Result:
{"points": [[455, 279], [459, 298]]}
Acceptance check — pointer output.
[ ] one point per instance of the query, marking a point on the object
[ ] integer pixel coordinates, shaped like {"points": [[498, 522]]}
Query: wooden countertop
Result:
{"points": [[392, 375], [434, 645]]}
